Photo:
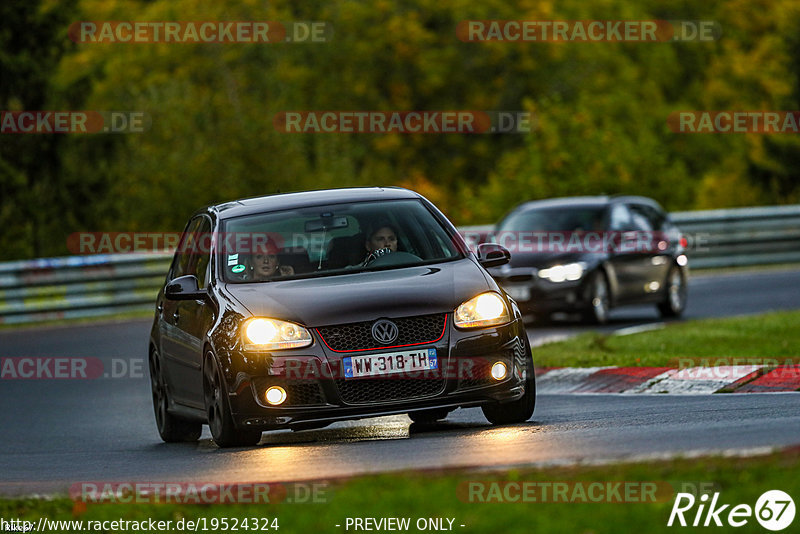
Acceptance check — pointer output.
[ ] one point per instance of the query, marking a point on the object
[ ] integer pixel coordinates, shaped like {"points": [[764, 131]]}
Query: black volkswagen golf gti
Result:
{"points": [[298, 310]]}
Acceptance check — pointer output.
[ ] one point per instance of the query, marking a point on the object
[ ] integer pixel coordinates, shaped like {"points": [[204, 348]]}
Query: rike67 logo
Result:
{"points": [[774, 510]]}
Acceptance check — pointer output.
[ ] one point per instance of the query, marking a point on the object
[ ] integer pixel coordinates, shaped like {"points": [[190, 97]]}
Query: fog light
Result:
{"points": [[276, 395], [499, 370]]}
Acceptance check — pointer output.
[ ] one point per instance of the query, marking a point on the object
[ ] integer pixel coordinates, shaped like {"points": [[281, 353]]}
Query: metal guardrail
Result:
{"points": [[79, 286], [104, 284], [741, 236]]}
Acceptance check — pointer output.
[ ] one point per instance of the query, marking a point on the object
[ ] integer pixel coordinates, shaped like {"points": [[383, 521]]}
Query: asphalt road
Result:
{"points": [[57, 432], [717, 295]]}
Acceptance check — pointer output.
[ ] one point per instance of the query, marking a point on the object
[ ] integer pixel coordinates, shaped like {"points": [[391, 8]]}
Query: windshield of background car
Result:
{"points": [[555, 219], [332, 239]]}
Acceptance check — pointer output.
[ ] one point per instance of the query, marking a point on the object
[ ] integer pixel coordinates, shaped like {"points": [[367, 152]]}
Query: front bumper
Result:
{"points": [[318, 393]]}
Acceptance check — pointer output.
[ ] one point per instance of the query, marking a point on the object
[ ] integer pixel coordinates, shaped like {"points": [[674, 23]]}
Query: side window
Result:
{"points": [[654, 217], [202, 254], [657, 217], [641, 221], [183, 257], [621, 219]]}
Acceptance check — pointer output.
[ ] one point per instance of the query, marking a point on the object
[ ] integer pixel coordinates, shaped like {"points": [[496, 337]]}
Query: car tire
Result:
{"points": [[599, 299], [171, 428], [220, 421], [675, 297], [520, 410], [428, 416]]}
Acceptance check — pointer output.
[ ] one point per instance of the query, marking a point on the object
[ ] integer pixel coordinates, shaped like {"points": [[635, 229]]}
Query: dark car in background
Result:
{"points": [[590, 254], [278, 312]]}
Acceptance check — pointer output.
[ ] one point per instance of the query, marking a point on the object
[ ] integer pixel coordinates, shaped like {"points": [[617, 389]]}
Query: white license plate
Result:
{"points": [[390, 363], [519, 292]]}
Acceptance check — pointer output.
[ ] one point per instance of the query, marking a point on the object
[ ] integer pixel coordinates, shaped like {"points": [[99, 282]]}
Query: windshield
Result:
{"points": [[328, 240], [556, 219]]}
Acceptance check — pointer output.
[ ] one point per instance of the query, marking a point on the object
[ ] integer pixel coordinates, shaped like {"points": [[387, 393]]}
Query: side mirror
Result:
{"points": [[493, 255], [184, 288]]}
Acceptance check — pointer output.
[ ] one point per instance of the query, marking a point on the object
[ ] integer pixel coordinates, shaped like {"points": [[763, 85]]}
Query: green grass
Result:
{"points": [[769, 336], [445, 495], [740, 269]]}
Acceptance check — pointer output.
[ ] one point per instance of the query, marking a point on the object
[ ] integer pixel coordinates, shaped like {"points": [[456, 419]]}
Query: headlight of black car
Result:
{"points": [[262, 333], [486, 309]]}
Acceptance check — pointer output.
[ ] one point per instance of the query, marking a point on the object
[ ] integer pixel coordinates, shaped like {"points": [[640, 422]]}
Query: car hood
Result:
{"points": [[364, 296]]}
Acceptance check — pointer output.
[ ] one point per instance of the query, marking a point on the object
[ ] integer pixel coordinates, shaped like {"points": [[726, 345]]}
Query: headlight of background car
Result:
{"points": [[271, 334], [561, 273], [487, 309]]}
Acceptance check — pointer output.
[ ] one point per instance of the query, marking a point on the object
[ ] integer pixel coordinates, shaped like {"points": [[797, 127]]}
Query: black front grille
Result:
{"points": [[358, 336], [303, 393], [367, 390], [477, 372]]}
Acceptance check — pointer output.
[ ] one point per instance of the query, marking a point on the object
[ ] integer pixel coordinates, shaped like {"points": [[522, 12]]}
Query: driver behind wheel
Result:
{"points": [[381, 240]]}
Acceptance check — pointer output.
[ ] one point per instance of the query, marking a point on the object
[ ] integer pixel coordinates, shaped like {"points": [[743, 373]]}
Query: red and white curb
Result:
{"points": [[687, 381]]}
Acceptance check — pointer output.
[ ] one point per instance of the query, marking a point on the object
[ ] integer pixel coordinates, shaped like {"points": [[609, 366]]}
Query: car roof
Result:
{"points": [[284, 201], [585, 202]]}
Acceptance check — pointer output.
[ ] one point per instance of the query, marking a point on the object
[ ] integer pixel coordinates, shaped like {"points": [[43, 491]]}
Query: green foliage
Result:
{"points": [[600, 110], [31, 45]]}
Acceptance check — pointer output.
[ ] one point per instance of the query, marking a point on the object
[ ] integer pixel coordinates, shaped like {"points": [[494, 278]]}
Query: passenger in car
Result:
{"points": [[265, 264]]}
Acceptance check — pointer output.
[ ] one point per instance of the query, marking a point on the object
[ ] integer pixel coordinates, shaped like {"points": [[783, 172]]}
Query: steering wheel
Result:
{"points": [[385, 257], [375, 254]]}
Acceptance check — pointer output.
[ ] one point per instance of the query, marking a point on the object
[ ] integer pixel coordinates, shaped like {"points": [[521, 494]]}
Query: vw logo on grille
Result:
{"points": [[384, 331]]}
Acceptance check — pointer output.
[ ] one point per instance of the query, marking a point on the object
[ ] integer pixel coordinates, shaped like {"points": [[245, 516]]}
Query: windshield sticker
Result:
{"points": [[237, 268], [233, 259]]}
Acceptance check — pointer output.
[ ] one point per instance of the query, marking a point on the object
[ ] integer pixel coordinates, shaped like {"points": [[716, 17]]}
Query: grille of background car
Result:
{"points": [[358, 336]]}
